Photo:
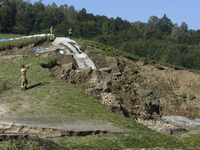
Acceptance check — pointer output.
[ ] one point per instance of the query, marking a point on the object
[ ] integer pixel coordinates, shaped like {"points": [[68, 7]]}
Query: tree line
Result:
{"points": [[158, 39]]}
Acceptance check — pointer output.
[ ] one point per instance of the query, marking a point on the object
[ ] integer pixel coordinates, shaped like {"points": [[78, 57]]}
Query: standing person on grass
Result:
{"points": [[23, 75], [70, 33], [51, 30]]}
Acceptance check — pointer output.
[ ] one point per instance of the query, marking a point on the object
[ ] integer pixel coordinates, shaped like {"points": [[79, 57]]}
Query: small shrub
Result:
{"points": [[191, 97], [109, 53], [103, 48], [136, 81], [160, 67], [134, 70], [178, 68], [153, 62], [109, 49], [143, 59], [181, 100], [183, 95], [3, 86]]}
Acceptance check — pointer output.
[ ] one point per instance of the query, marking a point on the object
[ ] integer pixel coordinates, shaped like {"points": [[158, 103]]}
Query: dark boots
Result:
{"points": [[24, 88]]}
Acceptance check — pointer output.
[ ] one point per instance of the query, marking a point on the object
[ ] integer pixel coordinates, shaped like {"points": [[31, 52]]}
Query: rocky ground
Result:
{"points": [[140, 91]]}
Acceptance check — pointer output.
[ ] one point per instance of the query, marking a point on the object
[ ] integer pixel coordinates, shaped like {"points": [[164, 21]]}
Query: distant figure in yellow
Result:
{"points": [[23, 75], [51, 30], [70, 33]]}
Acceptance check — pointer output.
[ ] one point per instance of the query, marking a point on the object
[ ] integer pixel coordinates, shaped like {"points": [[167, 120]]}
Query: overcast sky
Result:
{"points": [[177, 11]]}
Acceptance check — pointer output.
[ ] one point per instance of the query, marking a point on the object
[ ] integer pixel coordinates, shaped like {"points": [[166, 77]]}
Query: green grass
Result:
{"points": [[193, 141], [134, 70], [183, 95], [160, 67], [9, 36], [51, 98], [181, 100], [9, 44], [136, 81], [191, 97], [129, 140], [21, 143]]}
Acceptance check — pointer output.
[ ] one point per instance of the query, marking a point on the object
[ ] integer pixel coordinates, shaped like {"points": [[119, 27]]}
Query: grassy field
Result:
{"points": [[8, 36], [10, 44], [51, 97]]}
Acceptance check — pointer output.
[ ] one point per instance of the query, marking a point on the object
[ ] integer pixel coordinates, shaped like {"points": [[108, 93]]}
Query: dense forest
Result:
{"points": [[158, 39]]}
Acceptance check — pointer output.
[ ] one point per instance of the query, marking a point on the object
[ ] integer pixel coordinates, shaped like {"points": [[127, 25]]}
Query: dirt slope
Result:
{"points": [[167, 84]]}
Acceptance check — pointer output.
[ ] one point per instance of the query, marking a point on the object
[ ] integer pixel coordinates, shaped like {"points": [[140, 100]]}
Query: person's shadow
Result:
{"points": [[36, 85]]}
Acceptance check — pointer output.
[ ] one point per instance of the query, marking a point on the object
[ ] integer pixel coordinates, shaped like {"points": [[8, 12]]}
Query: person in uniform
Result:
{"points": [[51, 30], [23, 75], [70, 33]]}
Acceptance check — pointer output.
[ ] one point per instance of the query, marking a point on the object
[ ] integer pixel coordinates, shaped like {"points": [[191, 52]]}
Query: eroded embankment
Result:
{"points": [[168, 84], [135, 89], [124, 90]]}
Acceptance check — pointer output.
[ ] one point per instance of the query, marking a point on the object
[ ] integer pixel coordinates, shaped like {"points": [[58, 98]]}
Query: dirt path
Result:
{"points": [[54, 127]]}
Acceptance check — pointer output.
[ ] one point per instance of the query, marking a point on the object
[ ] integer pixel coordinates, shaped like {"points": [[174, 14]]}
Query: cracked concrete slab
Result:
{"points": [[52, 130]]}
